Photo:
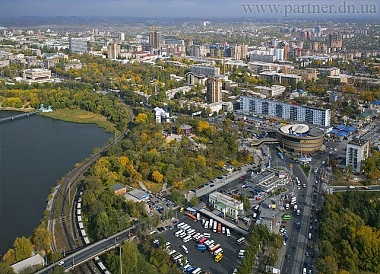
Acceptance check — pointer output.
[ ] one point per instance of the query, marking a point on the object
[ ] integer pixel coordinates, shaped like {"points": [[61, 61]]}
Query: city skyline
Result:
{"points": [[368, 9]]}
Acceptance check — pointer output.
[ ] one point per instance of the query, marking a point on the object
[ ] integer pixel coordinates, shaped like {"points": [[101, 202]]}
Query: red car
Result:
{"points": [[283, 222]]}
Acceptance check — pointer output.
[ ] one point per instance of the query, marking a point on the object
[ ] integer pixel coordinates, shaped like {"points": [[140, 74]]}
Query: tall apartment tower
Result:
{"points": [[214, 90], [113, 50], [78, 45], [335, 40], [154, 38], [356, 152], [121, 36]]}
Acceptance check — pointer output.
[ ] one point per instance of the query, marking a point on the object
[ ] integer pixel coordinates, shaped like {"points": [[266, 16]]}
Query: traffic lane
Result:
{"points": [[205, 260]]}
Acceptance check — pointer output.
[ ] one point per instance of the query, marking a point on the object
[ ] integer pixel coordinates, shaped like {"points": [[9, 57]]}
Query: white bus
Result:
{"points": [[206, 224], [197, 271], [219, 250], [228, 233]]}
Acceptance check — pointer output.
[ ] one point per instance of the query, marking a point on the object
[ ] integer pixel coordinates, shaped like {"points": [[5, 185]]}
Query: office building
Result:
{"points": [[78, 45], [113, 51], [206, 70], [226, 204], [271, 108], [357, 151], [214, 90]]}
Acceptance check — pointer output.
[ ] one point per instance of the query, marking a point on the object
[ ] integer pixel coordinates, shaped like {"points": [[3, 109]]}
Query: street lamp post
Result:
{"points": [[121, 265]]}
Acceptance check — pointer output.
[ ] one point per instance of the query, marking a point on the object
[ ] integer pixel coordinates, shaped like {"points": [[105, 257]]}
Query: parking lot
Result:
{"points": [[204, 259]]}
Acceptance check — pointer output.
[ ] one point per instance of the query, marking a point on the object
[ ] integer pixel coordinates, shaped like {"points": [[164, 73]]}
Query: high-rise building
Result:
{"points": [[78, 45], [154, 38], [113, 51], [335, 40], [121, 36], [356, 152], [271, 108], [214, 90]]}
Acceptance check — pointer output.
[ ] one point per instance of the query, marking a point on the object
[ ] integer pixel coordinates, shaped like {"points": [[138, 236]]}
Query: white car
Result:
{"points": [[61, 263]]}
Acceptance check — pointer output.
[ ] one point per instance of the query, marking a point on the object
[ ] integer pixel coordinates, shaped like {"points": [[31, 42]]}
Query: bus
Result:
{"points": [[197, 271], [211, 223], [214, 248], [219, 228], [228, 233], [206, 224], [191, 216], [240, 241]]}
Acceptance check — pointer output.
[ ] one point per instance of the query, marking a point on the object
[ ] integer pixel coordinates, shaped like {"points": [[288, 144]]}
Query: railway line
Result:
{"points": [[73, 236]]}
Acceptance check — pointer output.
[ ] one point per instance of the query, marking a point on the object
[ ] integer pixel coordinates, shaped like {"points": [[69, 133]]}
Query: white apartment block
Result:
{"points": [[356, 152], [226, 204], [206, 70], [271, 108], [78, 45], [37, 74]]}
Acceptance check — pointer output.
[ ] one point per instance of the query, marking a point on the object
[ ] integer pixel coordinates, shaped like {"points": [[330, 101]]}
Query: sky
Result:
{"points": [[276, 9]]}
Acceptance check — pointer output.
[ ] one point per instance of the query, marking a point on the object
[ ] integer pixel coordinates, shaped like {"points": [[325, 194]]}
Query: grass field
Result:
{"points": [[81, 117]]}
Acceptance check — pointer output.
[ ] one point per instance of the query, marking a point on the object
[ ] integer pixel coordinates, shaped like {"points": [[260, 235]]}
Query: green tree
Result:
{"points": [[23, 248], [129, 256], [6, 269], [246, 203], [41, 237], [194, 201]]}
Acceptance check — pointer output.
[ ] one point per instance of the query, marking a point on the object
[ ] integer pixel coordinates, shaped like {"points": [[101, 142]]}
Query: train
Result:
{"points": [[83, 234]]}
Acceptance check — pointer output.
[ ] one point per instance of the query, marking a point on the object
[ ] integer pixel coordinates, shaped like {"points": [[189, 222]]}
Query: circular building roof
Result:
{"points": [[295, 129]]}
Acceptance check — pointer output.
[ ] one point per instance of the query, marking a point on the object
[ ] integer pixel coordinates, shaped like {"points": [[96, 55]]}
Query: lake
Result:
{"points": [[35, 152]]}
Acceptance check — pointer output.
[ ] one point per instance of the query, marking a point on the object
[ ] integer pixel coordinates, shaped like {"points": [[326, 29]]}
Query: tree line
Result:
{"points": [[350, 233]]}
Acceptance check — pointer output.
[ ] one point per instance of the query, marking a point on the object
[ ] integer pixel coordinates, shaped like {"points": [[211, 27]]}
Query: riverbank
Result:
{"points": [[80, 117]]}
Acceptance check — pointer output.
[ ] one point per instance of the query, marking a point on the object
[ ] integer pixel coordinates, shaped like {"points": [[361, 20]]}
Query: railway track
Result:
{"points": [[67, 204]]}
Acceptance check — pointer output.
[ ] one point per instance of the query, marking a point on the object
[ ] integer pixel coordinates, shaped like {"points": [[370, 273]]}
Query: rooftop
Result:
{"points": [[358, 142], [295, 129]]}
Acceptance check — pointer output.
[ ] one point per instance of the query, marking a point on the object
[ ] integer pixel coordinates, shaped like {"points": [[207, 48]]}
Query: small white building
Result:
{"points": [[226, 204], [35, 260], [161, 115]]}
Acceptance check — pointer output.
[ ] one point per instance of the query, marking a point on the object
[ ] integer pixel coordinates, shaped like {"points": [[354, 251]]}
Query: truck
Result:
{"points": [[215, 224], [295, 208]]}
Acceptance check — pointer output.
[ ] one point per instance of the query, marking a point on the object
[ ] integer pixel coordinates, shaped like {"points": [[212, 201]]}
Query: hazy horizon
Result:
{"points": [[291, 9]]}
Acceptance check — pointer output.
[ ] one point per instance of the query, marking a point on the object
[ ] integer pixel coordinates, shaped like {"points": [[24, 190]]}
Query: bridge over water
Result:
{"points": [[18, 116]]}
